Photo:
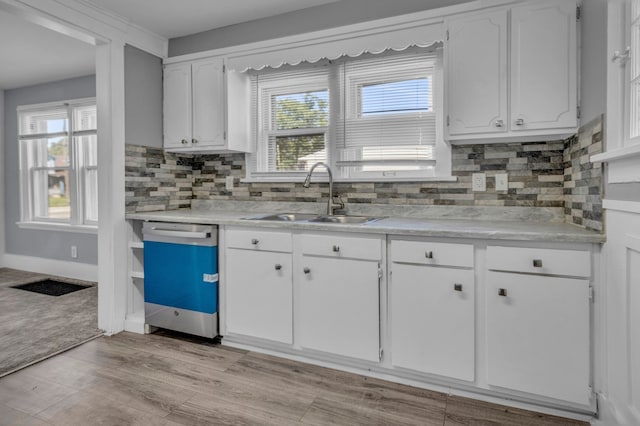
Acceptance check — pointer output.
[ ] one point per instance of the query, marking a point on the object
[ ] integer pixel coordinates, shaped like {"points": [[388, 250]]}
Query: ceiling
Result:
{"points": [[32, 54], [171, 18]]}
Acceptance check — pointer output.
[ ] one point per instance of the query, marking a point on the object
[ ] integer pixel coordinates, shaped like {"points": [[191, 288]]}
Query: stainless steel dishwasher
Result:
{"points": [[181, 277]]}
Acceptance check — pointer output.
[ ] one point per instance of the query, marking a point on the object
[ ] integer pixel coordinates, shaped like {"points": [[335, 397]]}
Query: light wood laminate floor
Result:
{"points": [[165, 379]]}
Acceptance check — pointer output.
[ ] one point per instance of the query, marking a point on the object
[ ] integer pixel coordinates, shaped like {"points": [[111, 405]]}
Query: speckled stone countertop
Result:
{"points": [[489, 224]]}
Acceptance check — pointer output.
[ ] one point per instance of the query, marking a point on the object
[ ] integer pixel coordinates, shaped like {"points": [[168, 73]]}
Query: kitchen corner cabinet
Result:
{"points": [[338, 283], [511, 74], [196, 108], [432, 308], [258, 284], [537, 322]]}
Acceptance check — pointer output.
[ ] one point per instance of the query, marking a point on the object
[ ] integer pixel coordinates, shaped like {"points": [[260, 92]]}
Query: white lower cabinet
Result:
{"points": [[258, 290], [432, 308], [339, 306], [432, 320], [538, 328]]}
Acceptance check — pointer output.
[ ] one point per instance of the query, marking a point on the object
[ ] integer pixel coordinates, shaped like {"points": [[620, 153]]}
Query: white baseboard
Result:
{"points": [[61, 268]]}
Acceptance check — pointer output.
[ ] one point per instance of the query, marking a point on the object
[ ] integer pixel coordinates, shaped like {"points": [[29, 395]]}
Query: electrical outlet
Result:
{"points": [[502, 182], [229, 183], [74, 252], [479, 182]]}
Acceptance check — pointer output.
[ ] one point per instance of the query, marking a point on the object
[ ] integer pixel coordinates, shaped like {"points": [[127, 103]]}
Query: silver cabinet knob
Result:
{"points": [[336, 249], [306, 270], [278, 267], [499, 123], [254, 241], [457, 287], [520, 122], [428, 254], [502, 292], [184, 141], [537, 263], [194, 140]]}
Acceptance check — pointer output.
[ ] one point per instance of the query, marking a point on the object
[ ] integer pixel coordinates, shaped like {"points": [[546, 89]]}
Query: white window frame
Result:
{"points": [[442, 150], [622, 152], [264, 130], [77, 167]]}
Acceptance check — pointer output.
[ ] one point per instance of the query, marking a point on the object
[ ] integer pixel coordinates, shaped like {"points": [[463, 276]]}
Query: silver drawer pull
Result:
{"points": [[502, 292], [519, 122], [183, 141], [194, 140], [254, 241], [336, 249], [306, 270], [428, 254], [457, 287], [537, 263], [499, 123], [278, 266]]}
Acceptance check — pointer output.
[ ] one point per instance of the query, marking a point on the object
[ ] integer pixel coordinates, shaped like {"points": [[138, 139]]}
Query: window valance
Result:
{"points": [[332, 47]]}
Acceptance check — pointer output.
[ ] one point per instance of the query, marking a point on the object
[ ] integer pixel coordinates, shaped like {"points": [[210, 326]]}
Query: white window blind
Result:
{"points": [[372, 117], [387, 126]]}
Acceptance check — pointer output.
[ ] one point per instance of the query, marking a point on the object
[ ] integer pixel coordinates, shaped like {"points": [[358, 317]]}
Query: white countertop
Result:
{"points": [[445, 228]]}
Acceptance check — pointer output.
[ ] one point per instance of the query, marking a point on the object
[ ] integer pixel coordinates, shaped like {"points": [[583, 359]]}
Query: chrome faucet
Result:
{"points": [[331, 205]]}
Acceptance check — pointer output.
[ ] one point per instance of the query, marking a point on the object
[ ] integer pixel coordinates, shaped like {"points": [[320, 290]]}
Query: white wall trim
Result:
{"points": [[2, 168], [61, 268], [622, 206], [346, 32]]}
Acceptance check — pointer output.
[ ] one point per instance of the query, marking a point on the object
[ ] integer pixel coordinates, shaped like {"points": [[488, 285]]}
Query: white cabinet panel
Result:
{"points": [[177, 105], [339, 306], [259, 294], [476, 73], [543, 66], [575, 263], [430, 253], [433, 320], [538, 335], [208, 103]]}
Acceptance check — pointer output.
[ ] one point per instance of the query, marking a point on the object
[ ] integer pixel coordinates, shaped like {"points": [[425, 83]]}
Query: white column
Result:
{"points": [[112, 244]]}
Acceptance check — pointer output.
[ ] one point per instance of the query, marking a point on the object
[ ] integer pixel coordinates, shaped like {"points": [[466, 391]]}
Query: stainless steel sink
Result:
{"points": [[345, 219], [285, 217]]}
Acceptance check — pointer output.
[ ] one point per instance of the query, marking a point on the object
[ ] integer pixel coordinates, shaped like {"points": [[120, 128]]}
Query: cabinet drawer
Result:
{"points": [[341, 247], [429, 253], [575, 263], [258, 239]]}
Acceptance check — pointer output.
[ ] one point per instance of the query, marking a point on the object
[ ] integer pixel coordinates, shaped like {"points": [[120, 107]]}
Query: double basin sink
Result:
{"points": [[315, 218]]}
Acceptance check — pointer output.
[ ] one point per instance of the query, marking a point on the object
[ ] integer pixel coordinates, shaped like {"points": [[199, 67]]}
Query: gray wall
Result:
{"points": [[2, 203], [593, 85], [37, 243], [317, 18], [143, 97]]}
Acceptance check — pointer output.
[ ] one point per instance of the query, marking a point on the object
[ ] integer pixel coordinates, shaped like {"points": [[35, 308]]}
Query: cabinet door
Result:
{"points": [[340, 306], [258, 289], [432, 320], [538, 335], [476, 74], [208, 103], [543, 66], [177, 105]]}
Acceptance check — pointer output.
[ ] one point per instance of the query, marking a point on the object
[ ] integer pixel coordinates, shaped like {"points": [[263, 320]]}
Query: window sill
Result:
{"points": [[617, 154], [60, 227], [292, 179]]}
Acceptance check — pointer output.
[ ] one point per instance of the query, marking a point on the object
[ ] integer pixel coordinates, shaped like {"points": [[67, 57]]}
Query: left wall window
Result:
{"points": [[58, 163]]}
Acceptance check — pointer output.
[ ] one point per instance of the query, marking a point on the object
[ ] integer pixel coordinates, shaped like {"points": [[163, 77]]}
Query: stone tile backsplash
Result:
{"points": [[541, 174]]}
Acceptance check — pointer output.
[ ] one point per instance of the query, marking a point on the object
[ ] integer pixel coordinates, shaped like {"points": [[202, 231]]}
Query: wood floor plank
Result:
{"points": [[10, 416], [464, 412], [85, 408], [29, 394]]}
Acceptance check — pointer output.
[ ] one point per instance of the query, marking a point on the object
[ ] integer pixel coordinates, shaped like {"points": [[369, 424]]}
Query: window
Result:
{"points": [[632, 74], [373, 117], [58, 163]]}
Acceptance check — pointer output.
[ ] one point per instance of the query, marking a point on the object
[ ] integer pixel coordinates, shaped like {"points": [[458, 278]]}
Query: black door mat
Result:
{"points": [[51, 287]]}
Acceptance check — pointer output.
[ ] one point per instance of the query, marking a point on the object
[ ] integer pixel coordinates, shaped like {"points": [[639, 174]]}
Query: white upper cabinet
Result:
{"points": [[196, 108], [477, 74], [511, 74]]}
